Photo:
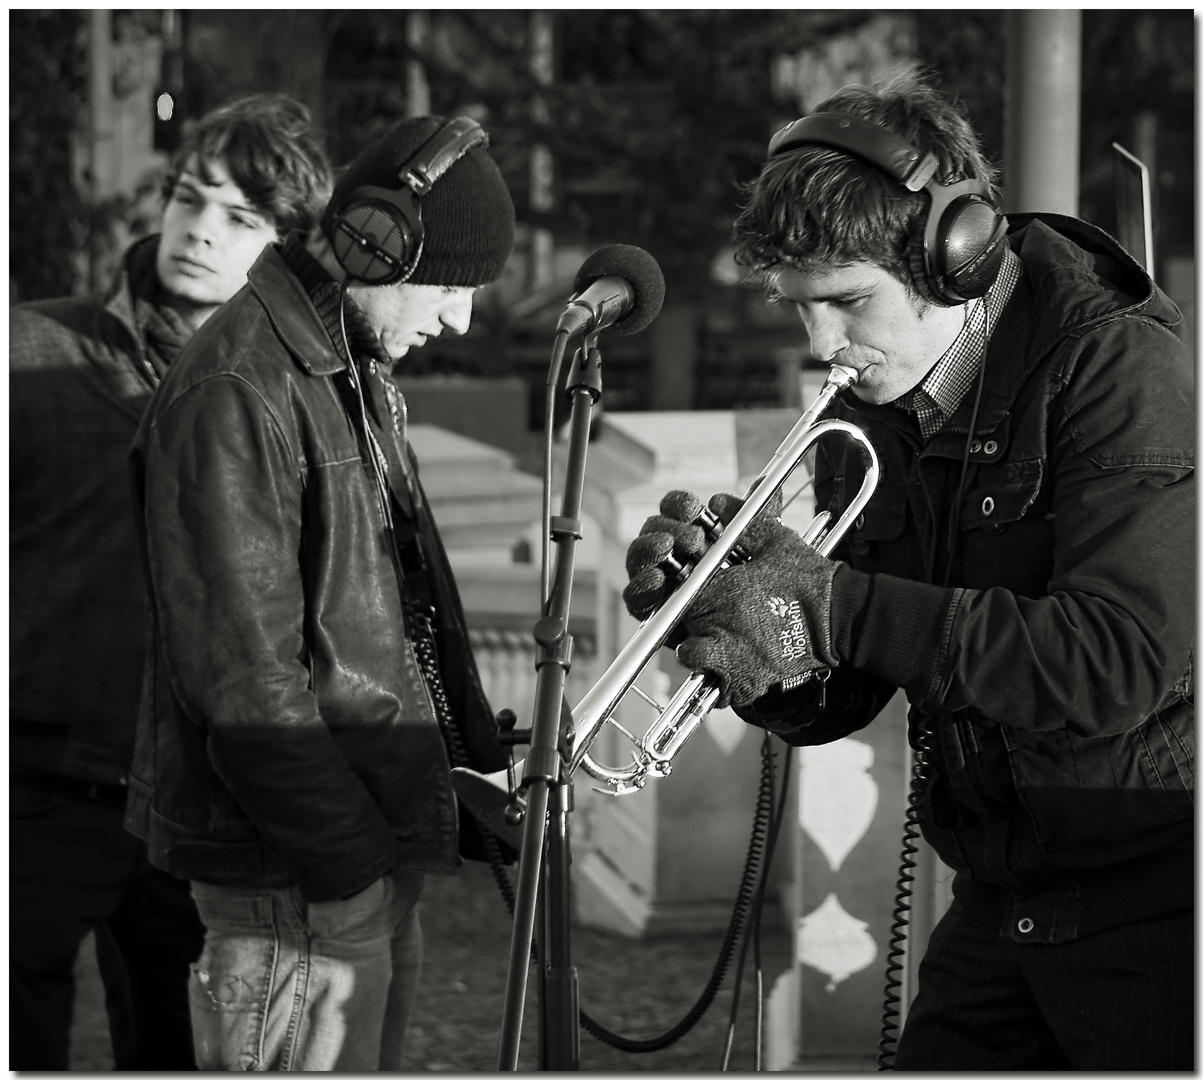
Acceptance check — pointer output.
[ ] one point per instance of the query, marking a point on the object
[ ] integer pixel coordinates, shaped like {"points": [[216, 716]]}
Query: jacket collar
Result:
{"points": [[135, 277], [292, 313]]}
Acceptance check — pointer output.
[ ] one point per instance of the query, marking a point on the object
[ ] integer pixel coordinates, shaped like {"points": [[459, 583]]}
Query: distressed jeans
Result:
{"points": [[287, 985]]}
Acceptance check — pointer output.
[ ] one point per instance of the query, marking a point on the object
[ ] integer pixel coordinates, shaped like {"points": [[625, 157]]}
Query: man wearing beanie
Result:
{"points": [[309, 683]]}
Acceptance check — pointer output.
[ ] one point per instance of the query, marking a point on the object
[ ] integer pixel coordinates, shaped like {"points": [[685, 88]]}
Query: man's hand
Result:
{"points": [[672, 532], [764, 621]]}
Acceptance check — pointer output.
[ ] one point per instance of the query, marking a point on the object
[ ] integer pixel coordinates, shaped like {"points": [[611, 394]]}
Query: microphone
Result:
{"points": [[619, 287]]}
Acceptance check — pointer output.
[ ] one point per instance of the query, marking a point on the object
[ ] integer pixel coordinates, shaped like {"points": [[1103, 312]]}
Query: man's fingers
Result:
{"points": [[645, 592]]}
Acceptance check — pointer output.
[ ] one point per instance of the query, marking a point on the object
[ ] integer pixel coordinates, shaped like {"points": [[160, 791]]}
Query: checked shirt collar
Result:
{"points": [[936, 398]]}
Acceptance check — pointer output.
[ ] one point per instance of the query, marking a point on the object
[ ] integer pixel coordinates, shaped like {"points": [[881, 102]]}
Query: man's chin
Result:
{"points": [[186, 290], [869, 394]]}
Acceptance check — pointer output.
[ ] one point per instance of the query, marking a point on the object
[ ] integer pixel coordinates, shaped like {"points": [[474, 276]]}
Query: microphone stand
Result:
{"points": [[543, 869]]}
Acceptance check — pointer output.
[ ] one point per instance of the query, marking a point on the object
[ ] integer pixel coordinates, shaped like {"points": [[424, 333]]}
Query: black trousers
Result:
{"points": [[1118, 1000], [73, 868]]}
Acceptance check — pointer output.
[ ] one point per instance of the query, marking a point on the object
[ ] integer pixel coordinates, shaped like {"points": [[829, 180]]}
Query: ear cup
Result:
{"points": [[921, 277], [957, 251], [376, 237], [970, 248]]}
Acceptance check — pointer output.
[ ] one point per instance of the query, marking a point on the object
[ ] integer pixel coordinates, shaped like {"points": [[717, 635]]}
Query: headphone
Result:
{"points": [[958, 247], [377, 234]]}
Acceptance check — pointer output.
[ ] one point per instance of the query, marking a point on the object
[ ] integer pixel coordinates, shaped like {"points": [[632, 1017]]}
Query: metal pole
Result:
{"points": [[1043, 111]]}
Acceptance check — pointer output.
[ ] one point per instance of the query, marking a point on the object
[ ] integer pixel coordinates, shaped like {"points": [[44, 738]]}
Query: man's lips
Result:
{"points": [[186, 262]]}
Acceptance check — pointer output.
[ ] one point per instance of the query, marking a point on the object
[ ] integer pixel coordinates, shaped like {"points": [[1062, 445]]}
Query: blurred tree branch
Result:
{"points": [[48, 222]]}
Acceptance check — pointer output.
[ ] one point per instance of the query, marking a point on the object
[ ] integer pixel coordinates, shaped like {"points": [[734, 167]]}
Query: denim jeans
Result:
{"points": [[287, 985]]}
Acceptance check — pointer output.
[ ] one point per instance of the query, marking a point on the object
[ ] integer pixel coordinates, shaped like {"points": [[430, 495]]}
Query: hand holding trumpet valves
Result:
{"points": [[763, 619], [667, 548]]}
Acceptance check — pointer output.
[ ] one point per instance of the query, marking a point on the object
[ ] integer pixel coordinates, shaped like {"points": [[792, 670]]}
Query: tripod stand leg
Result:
{"points": [[529, 870]]}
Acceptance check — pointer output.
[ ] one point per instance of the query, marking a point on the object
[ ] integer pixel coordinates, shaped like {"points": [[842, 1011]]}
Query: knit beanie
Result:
{"points": [[468, 215]]}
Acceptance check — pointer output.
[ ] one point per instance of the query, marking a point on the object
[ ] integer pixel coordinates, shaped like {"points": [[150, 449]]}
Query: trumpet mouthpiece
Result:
{"points": [[842, 377]]}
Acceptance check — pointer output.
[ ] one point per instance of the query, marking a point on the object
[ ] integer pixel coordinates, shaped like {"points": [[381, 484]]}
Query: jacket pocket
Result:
{"points": [[1001, 495], [873, 534], [1006, 530], [1098, 801], [232, 984]]}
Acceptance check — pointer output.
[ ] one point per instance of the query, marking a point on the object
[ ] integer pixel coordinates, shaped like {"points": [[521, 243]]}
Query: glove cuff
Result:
{"points": [[898, 635], [849, 597]]}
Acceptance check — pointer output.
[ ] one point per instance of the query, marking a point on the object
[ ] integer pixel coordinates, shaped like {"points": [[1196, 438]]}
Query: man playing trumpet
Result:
{"points": [[1024, 574]]}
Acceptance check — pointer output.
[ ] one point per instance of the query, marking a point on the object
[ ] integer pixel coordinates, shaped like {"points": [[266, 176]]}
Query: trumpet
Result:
{"points": [[677, 720]]}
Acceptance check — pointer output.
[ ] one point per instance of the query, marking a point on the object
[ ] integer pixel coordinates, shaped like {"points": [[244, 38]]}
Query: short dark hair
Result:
{"points": [[268, 145], [816, 206]]}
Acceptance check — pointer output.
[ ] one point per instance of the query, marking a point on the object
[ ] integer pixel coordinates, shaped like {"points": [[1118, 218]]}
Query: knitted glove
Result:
{"points": [[671, 532], [764, 621]]}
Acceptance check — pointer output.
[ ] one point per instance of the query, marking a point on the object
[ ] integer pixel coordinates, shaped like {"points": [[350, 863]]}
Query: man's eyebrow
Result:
{"points": [[846, 292], [198, 184]]}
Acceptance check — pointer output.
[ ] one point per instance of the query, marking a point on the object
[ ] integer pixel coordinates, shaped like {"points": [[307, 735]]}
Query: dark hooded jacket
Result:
{"points": [[1027, 578], [287, 733]]}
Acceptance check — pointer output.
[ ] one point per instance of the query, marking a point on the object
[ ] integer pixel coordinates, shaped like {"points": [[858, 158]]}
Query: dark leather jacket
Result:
{"points": [[286, 732], [1045, 643]]}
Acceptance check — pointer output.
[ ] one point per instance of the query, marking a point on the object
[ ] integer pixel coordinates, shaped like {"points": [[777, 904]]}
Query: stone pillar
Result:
{"points": [[1043, 109]]}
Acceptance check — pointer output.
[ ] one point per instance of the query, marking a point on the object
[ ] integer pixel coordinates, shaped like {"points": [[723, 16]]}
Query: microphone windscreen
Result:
{"points": [[639, 270]]}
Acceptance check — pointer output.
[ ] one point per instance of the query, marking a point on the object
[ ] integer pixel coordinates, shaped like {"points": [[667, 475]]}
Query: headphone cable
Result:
{"points": [[955, 515]]}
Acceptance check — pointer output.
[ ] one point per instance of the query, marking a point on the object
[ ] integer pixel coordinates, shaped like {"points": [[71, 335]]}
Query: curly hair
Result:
{"points": [[816, 206], [269, 147]]}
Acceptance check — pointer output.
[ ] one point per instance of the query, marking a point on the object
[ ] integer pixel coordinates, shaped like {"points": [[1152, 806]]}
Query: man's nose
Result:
{"points": [[828, 336], [457, 316], [202, 226]]}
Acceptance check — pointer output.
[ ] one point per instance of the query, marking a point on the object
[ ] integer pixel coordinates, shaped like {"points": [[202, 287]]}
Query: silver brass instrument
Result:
{"points": [[690, 705]]}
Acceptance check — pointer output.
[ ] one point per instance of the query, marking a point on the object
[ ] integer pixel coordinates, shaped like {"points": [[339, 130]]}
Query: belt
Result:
{"points": [[76, 785]]}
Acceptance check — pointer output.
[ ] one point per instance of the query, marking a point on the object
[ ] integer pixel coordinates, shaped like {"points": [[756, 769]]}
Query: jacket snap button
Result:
{"points": [[860, 521], [1026, 926], [991, 447], [974, 446], [987, 506]]}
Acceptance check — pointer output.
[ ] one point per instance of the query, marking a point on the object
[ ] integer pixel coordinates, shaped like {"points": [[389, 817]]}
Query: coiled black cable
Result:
{"points": [[906, 863], [756, 849]]}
